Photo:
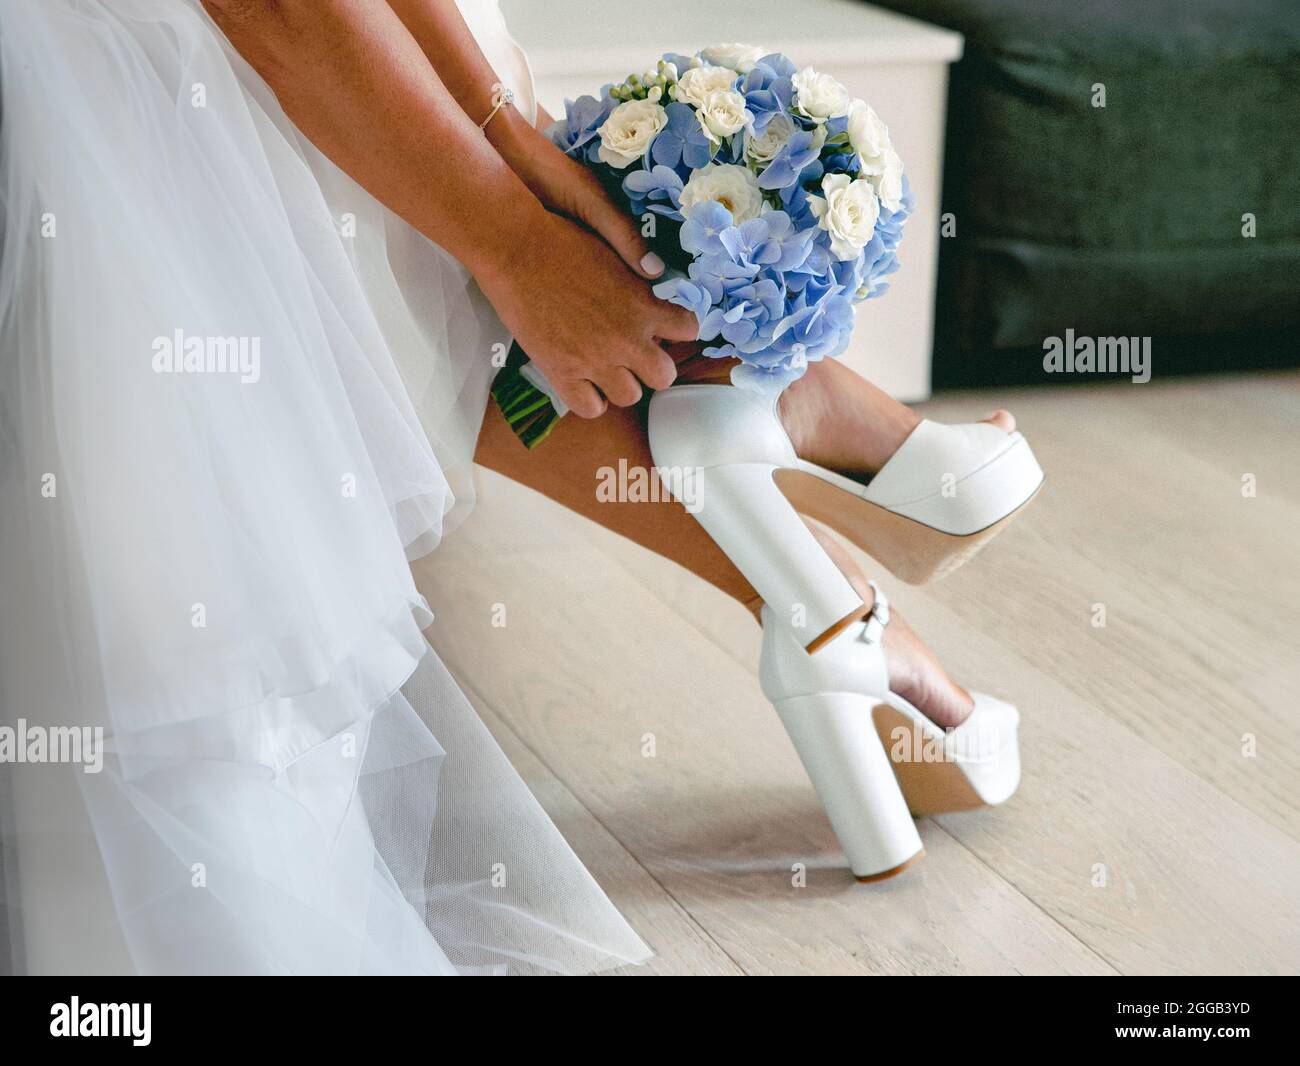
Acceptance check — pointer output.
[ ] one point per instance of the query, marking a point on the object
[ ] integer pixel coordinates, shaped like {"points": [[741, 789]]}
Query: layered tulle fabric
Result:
{"points": [[236, 394]]}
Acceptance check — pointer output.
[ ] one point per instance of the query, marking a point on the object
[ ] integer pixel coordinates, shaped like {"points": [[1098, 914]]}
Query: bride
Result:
{"points": [[210, 569]]}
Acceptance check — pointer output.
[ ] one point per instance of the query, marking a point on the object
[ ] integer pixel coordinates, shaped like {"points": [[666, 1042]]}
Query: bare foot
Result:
{"points": [[914, 671], [916, 675], [840, 420], [835, 417]]}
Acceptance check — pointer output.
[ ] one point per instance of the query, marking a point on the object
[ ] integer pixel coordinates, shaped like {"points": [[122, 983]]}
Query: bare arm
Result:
{"points": [[559, 182], [441, 33], [357, 84], [355, 81]]}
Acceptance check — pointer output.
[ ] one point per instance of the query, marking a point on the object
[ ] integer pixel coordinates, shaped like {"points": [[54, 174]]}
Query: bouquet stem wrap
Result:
{"points": [[526, 400]]}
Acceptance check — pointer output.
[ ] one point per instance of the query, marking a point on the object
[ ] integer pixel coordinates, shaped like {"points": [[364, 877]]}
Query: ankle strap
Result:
{"points": [[878, 619]]}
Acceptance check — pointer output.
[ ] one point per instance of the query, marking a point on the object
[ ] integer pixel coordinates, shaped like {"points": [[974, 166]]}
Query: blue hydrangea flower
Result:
{"points": [[805, 333], [767, 292], [767, 89], [685, 293], [816, 269], [795, 198], [770, 241], [879, 258], [790, 166], [738, 286], [701, 232], [658, 189], [845, 161], [744, 319], [577, 133], [682, 143], [779, 65]]}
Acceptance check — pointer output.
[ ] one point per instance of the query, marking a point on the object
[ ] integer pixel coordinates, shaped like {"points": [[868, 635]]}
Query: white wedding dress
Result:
{"points": [[212, 566]]}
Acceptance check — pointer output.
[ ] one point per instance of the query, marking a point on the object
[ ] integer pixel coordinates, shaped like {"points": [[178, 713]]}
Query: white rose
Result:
{"points": [[628, 131], [734, 187], [698, 82], [880, 163], [869, 137], [819, 96], [762, 149], [889, 182], [847, 210], [723, 113], [740, 57]]}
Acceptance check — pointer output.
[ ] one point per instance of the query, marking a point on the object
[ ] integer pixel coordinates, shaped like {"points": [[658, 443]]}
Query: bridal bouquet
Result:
{"points": [[774, 197]]}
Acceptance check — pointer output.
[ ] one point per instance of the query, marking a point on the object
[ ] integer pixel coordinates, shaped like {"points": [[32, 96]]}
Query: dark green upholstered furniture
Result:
{"points": [[1127, 219]]}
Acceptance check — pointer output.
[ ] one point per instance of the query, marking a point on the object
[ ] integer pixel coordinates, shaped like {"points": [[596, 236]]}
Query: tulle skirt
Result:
{"points": [[236, 395]]}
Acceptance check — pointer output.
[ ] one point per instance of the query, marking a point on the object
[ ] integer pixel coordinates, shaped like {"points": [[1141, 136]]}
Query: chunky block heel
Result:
{"points": [[943, 495], [835, 736], [749, 518], [976, 764]]}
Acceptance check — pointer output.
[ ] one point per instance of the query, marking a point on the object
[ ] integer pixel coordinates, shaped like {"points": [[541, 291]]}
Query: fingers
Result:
{"points": [[582, 399], [673, 323], [615, 385], [620, 386], [620, 230], [653, 365]]}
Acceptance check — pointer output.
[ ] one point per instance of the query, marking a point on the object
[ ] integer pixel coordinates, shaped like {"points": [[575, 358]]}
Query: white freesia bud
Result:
{"points": [[655, 95], [762, 149], [723, 113], [734, 187], [698, 82], [819, 96], [741, 57], [628, 131], [847, 210]]}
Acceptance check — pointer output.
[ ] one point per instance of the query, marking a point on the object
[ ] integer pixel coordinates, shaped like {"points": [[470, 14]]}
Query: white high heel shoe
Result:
{"points": [[941, 497], [874, 759]]}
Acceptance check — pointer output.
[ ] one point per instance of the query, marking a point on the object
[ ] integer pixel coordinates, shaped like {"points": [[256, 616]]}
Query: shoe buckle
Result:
{"points": [[878, 619]]}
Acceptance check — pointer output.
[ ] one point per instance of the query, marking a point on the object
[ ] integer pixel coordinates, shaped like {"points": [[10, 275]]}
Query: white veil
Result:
{"points": [[211, 565]]}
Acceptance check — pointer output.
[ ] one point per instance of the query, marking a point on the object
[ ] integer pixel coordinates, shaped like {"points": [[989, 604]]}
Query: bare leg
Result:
{"points": [[835, 417], [564, 470], [565, 467], [915, 673]]}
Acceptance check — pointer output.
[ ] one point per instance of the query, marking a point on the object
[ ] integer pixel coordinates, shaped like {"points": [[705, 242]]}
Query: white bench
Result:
{"points": [[897, 64]]}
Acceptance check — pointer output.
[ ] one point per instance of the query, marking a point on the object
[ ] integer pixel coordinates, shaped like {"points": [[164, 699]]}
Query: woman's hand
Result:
{"points": [[569, 188], [586, 321], [590, 326], [353, 79]]}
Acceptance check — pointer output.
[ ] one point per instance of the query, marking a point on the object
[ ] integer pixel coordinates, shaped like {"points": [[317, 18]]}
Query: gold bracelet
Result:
{"points": [[501, 95]]}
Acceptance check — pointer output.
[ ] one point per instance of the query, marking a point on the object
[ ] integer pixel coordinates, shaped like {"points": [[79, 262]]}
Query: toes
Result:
{"points": [[1003, 420]]}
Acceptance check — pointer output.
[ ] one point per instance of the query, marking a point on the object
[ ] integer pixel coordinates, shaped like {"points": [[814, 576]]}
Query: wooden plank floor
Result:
{"points": [[1145, 838]]}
